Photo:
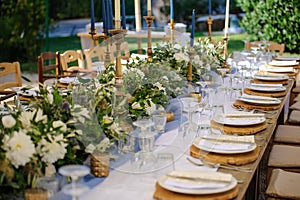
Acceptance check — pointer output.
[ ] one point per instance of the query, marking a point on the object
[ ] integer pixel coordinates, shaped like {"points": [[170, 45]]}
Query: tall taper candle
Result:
{"points": [[92, 16], [104, 16], [193, 29], [111, 24], [209, 7], [226, 19], [171, 9], [149, 7], [123, 15], [117, 10]]}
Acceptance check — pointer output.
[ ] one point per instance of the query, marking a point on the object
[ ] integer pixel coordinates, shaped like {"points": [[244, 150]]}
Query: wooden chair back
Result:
{"points": [[71, 61], [9, 71], [94, 54], [271, 46], [48, 66]]}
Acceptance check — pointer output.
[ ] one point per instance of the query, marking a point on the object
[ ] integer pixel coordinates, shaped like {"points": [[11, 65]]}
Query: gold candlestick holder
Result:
{"points": [[209, 23], [97, 36], [191, 54], [172, 28], [225, 53], [149, 19], [118, 35]]}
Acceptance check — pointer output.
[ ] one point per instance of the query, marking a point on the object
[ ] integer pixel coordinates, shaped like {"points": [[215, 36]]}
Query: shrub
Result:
{"points": [[273, 20]]}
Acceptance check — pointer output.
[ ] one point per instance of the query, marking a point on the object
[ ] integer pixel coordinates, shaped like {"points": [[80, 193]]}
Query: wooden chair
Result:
{"points": [[72, 62], [93, 55], [271, 46], [10, 73], [48, 66]]}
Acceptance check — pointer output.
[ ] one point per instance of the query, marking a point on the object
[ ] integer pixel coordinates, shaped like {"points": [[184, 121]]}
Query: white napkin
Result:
{"points": [[223, 146], [230, 138], [280, 69], [198, 179], [190, 184], [283, 62]]}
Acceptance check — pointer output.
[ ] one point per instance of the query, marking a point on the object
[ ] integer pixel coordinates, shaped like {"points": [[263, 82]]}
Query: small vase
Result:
{"points": [[100, 164], [36, 194]]}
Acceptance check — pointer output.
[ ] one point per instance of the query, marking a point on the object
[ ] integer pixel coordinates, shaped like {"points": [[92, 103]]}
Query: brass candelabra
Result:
{"points": [[209, 23], [172, 27], [118, 34], [225, 53], [149, 19]]}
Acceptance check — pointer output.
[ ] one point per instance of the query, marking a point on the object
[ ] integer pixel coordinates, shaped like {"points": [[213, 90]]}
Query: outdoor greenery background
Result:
{"points": [[22, 24]]}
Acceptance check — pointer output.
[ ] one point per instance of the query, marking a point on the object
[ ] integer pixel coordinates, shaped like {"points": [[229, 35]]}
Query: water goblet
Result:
{"points": [[159, 118], [75, 172]]}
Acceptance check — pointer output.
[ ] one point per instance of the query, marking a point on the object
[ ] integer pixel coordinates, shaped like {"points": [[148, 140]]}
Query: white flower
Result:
{"points": [[181, 57], [80, 112], [63, 126], [50, 98], [26, 118], [19, 148], [90, 148], [177, 46], [107, 119], [165, 78], [136, 106], [159, 86], [103, 145], [150, 108], [40, 117], [52, 150], [8, 121]]}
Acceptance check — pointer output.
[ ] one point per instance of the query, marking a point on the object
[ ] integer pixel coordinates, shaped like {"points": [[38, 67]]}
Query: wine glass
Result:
{"points": [[144, 160], [222, 72], [75, 172]]}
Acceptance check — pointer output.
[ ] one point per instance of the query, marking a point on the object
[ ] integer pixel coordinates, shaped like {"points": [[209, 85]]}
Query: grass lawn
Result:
{"points": [[62, 44]]}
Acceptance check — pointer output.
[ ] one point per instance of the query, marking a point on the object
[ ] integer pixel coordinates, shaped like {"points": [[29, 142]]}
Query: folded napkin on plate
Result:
{"points": [[224, 146], [283, 62], [230, 138], [256, 97], [280, 69], [265, 85], [196, 180]]}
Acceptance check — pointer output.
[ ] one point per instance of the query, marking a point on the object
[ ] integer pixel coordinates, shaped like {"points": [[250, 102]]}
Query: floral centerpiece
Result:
{"points": [[205, 55], [44, 135]]}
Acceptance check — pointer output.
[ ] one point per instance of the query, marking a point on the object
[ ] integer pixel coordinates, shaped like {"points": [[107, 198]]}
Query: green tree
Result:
{"points": [[20, 35], [273, 20]]}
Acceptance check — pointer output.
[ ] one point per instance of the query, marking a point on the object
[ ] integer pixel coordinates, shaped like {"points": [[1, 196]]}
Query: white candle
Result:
{"points": [[117, 12], [149, 7], [137, 8], [226, 19]]}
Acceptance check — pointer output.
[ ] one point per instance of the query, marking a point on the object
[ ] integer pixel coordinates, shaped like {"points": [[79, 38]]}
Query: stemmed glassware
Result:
{"points": [[75, 172], [144, 160]]}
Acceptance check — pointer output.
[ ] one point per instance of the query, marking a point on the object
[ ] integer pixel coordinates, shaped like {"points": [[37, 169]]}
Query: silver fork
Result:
{"points": [[217, 165]]}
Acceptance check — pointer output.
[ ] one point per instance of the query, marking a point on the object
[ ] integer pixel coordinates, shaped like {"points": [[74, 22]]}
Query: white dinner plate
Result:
{"points": [[223, 147], [270, 77], [239, 120], [283, 63], [267, 88], [163, 182]]}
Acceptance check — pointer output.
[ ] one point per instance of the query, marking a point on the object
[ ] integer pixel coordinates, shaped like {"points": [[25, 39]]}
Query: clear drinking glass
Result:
{"points": [[75, 172], [159, 118]]}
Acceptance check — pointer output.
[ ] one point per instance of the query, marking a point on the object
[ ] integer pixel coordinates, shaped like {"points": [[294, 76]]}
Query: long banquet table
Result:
{"points": [[121, 184]]}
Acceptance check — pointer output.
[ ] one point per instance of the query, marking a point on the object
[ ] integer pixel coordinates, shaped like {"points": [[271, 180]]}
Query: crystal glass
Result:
{"points": [[75, 172], [144, 159], [159, 118]]}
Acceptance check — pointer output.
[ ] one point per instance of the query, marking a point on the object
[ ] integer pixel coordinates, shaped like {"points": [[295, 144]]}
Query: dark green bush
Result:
{"points": [[273, 20], [21, 22]]}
